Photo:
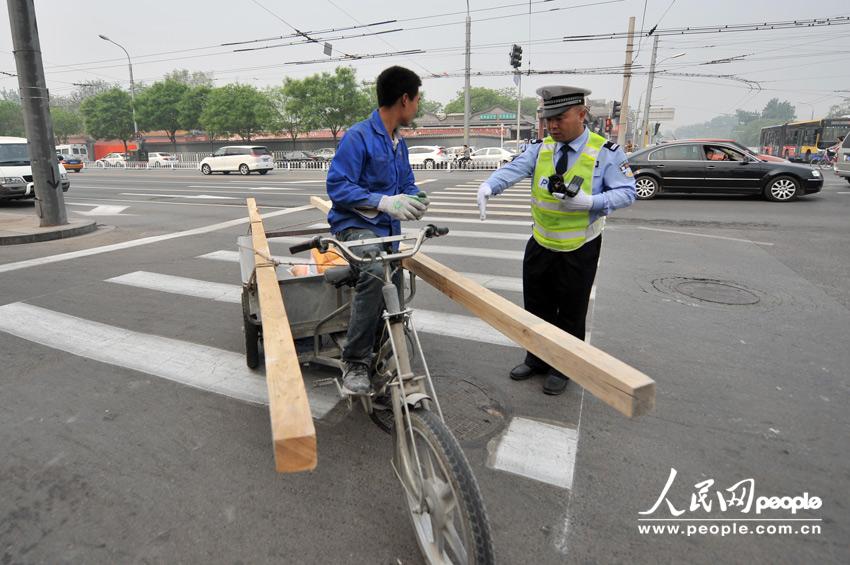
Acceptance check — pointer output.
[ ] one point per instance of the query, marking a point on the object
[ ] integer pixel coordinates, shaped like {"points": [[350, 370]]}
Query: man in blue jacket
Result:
{"points": [[372, 188]]}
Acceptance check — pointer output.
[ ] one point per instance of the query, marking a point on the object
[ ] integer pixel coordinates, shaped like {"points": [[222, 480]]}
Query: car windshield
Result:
{"points": [[14, 154]]}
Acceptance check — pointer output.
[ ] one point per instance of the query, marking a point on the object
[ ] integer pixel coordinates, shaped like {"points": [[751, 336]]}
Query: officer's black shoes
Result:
{"points": [[523, 371], [555, 383]]}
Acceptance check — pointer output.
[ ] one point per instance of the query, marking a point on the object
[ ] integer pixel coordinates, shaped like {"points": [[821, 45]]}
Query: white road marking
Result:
{"points": [[493, 282], [195, 196], [475, 212], [488, 221], [441, 196], [282, 188], [425, 181], [103, 210], [429, 249], [437, 200], [219, 292], [842, 192], [705, 235], [537, 450], [483, 235], [138, 242], [451, 325], [233, 257], [199, 366], [173, 203]]}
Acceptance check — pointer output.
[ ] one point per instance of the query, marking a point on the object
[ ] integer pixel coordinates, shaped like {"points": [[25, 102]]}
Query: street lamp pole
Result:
{"points": [[466, 93], [132, 84]]}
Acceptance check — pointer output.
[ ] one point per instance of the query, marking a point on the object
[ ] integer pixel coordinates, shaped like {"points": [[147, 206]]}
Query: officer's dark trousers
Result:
{"points": [[556, 287]]}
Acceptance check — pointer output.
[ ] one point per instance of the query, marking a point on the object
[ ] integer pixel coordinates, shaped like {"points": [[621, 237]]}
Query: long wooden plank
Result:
{"points": [[617, 384], [293, 433]]}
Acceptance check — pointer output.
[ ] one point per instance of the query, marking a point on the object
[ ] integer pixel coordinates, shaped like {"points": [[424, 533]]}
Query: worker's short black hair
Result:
{"points": [[395, 82]]}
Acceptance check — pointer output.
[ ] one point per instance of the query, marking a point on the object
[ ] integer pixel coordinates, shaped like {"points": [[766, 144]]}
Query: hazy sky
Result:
{"points": [[805, 66]]}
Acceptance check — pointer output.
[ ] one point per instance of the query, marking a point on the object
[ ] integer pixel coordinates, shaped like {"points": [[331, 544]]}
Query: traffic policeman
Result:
{"points": [[590, 178]]}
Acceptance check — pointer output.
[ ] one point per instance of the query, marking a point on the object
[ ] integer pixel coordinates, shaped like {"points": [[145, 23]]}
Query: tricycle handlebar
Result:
{"points": [[345, 248]]}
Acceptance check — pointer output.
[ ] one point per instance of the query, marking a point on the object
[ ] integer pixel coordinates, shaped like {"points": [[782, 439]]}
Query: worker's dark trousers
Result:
{"points": [[367, 305], [556, 287]]}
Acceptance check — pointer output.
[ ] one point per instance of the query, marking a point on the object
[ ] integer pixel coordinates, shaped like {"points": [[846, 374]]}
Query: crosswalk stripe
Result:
{"points": [[490, 205], [459, 233], [199, 366], [452, 325], [427, 248], [489, 213], [471, 198], [488, 221]]}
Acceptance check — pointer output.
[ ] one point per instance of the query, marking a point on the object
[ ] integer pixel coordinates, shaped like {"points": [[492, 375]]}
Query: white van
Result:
{"points": [[15, 172], [78, 150], [242, 158], [842, 160]]}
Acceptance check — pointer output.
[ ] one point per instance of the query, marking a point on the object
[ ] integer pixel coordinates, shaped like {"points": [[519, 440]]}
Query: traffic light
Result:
{"points": [[516, 56], [615, 110]]}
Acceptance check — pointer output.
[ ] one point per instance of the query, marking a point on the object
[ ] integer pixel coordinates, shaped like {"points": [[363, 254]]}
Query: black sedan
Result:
{"points": [[718, 168]]}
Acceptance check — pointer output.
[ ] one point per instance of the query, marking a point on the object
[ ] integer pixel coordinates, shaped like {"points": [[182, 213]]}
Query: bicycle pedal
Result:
{"points": [[324, 382]]}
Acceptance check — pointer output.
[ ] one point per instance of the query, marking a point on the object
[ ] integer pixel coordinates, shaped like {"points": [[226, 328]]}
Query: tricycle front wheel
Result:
{"points": [[252, 335]]}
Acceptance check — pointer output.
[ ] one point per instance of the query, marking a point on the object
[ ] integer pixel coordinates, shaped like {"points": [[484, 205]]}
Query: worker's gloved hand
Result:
{"points": [[484, 193], [402, 207], [580, 202]]}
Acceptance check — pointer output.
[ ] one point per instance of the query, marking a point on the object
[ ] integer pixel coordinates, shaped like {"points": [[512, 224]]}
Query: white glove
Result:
{"points": [[402, 207], [579, 202], [484, 192]]}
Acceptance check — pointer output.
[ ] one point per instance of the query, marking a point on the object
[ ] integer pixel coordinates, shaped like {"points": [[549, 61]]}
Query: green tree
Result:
{"points": [[839, 110], [10, 94], [194, 78], [482, 98], [290, 103], [66, 123], [750, 133], [745, 117], [776, 110], [428, 105], [191, 105], [238, 109], [11, 119], [109, 115], [158, 107], [335, 101]]}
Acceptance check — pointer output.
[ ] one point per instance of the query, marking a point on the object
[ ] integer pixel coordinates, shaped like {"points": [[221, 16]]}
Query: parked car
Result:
{"points": [[718, 168], [842, 160], [493, 155], [744, 148], [16, 173], [161, 159], [428, 156], [112, 160], [243, 158], [325, 154], [70, 163]]}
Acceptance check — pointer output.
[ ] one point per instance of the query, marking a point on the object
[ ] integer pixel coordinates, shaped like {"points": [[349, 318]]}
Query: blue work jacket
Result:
{"points": [[365, 168]]}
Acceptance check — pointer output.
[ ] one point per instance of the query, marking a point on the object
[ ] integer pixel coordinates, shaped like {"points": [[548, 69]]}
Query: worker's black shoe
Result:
{"points": [[525, 371], [555, 383], [355, 379]]}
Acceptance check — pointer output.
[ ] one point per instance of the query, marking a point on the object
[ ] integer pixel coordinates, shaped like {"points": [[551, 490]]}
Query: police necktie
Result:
{"points": [[561, 165]]}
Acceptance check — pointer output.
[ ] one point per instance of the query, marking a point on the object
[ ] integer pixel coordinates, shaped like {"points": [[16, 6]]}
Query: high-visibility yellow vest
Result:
{"points": [[555, 228]]}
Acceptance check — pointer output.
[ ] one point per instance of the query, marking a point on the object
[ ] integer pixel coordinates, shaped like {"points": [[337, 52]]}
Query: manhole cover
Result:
{"points": [[468, 409], [717, 292], [713, 291]]}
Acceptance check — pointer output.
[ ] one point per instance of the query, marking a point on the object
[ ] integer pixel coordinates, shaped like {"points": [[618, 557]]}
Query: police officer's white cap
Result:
{"points": [[559, 99]]}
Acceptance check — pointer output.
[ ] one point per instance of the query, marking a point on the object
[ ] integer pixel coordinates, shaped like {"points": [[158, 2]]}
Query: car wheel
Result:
{"points": [[205, 169], [429, 164], [264, 171], [782, 189], [244, 170], [646, 187]]}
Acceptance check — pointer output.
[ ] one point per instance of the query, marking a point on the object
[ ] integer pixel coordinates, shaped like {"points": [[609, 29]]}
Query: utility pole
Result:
{"points": [[50, 202], [518, 105], [627, 78], [646, 138], [466, 94]]}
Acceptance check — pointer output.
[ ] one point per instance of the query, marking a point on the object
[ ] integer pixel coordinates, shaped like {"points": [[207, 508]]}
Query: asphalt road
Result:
{"points": [[737, 307]]}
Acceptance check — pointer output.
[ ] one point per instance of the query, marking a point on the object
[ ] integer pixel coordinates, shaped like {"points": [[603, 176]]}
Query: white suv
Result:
{"points": [[242, 158], [429, 156], [161, 159], [16, 173]]}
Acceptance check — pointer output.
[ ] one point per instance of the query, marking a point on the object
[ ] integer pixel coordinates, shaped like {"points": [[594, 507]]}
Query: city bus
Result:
{"points": [[798, 141]]}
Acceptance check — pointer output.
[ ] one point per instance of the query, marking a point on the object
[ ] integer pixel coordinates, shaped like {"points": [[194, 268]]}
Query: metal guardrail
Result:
{"points": [[297, 165]]}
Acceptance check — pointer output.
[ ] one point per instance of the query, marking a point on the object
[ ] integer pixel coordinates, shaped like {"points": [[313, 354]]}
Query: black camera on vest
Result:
{"points": [[556, 184]]}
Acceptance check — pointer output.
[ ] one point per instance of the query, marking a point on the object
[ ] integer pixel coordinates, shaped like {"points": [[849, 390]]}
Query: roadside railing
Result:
{"points": [[449, 166]]}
